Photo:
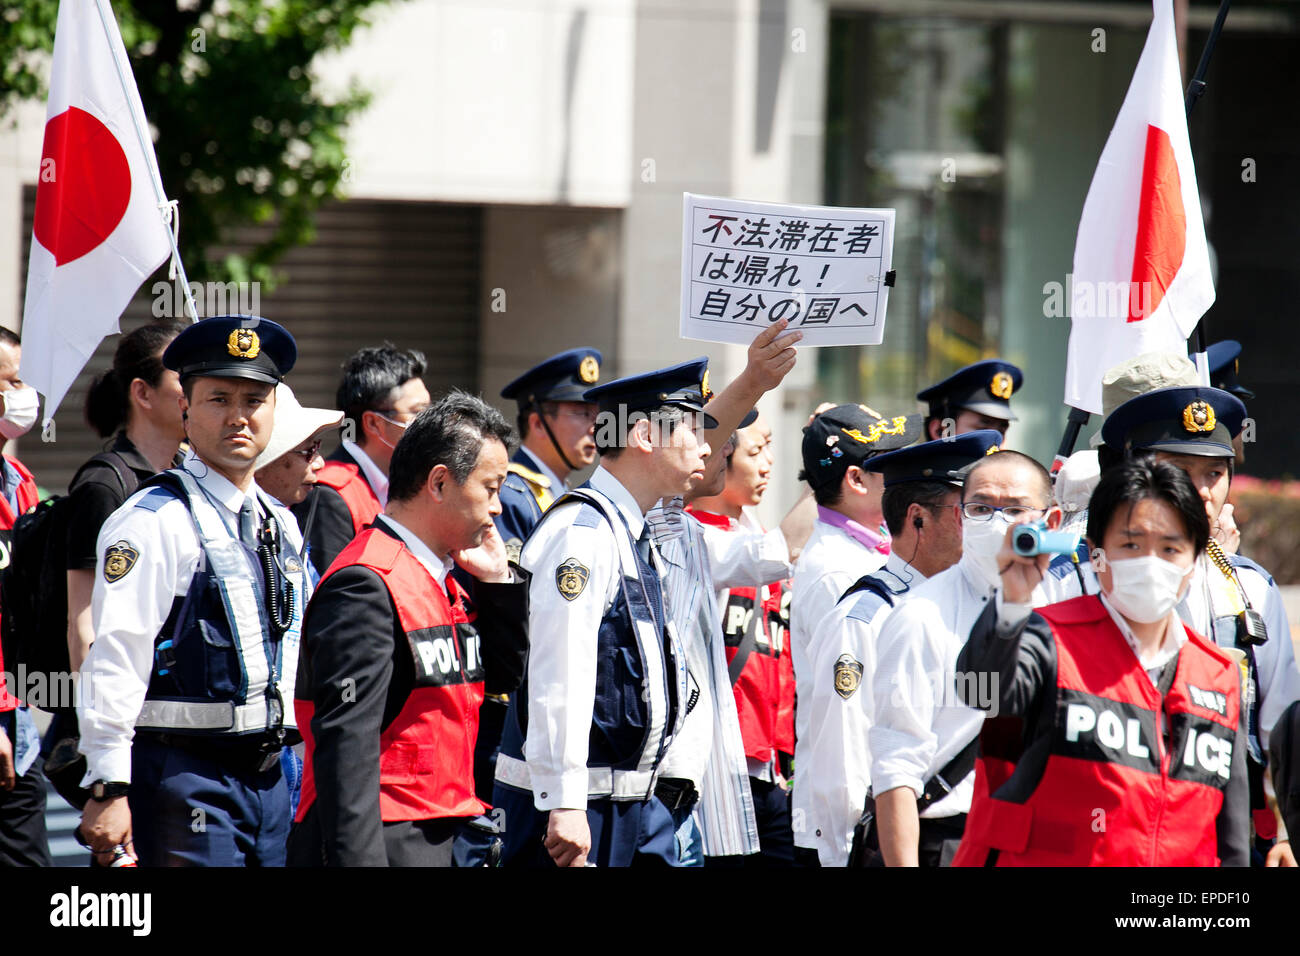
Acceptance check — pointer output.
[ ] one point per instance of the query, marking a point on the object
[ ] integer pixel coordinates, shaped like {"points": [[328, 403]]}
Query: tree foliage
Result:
{"points": [[242, 130]]}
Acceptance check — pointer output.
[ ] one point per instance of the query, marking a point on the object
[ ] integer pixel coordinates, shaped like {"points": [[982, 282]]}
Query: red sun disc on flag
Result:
{"points": [[84, 185]]}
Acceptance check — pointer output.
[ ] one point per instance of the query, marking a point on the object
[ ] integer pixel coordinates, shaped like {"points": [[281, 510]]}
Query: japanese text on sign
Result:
{"points": [[747, 264]]}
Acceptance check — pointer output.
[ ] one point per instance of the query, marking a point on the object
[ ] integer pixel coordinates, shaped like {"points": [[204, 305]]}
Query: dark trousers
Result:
{"points": [[23, 841], [775, 835], [623, 833], [190, 810], [491, 724]]}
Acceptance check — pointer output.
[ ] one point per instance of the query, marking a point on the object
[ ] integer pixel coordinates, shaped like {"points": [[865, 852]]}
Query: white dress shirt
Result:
{"points": [[436, 566], [831, 561], [838, 754], [377, 480], [708, 750], [919, 722], [563, 642], [129, 612]]}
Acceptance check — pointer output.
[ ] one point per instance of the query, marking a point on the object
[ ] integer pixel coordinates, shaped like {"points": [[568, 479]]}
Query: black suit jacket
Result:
{"points": [[356, 666]]}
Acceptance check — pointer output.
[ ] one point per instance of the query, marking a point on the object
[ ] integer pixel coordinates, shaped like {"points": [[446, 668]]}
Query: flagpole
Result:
{"points": [[1078, 417], [1195, 90], [165, 208]]}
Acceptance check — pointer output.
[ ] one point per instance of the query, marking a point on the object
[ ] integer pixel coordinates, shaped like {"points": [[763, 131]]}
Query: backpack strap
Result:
{"points": [[125, 474]]}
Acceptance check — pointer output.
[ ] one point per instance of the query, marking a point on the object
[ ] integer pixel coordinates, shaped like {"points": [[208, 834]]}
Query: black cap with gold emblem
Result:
{"points": [[1183, 420], [945, 459], [233, 346], [561, 378], [684, 385], [984, 387], [849, 435]]}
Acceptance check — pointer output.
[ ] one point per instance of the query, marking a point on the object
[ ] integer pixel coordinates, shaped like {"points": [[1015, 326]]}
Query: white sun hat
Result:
{"points": [[294, 424]]}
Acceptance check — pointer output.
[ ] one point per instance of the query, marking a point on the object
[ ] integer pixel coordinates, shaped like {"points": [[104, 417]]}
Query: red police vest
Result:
{"points": [[1131, 779], [356, 492], [426, 755], [765, 689], [28, 496]]}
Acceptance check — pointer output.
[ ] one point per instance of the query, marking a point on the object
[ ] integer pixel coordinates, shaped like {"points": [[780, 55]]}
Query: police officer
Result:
{"points": [[977, 396], [197, 609], [1231, 599], [922, 490], [847, 542], [576, 774], [923, 740], [556, 438], [1224, 360]]}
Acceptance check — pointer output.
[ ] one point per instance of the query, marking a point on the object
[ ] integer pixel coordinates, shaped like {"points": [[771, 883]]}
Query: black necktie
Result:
{"points": [[248, 525], [643, 545]]}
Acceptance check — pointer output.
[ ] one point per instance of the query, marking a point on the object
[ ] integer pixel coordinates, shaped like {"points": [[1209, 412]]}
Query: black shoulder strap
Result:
{"points": [[125, 475], [748, 642], [869, 582], [952, 773]]}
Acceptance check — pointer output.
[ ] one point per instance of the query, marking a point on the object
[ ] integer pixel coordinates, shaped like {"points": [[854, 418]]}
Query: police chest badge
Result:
{"points": [[119, 559], [570, 579], [244, 343], [848, 675], [589, 369], [514, 547], [1002, 385], [1198, 417]]}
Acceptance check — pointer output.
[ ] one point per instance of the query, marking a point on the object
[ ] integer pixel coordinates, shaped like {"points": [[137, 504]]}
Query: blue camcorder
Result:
{"points": [[1028, 540]]}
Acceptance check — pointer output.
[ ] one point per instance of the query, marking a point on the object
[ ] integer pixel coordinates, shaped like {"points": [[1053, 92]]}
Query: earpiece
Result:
{"points": [[917, 522]]}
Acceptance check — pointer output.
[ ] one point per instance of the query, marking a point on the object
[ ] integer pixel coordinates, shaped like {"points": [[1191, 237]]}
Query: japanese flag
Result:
{"points": [[98, 231], [1141, 277]]}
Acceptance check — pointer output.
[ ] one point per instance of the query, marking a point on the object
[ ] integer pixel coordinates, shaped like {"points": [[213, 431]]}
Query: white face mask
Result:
{"points": [[980, 543], [1145, 589], [20, 411]]}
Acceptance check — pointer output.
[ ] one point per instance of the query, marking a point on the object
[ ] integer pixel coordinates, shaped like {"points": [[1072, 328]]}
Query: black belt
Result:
{"points": [[675, 793], [257, 753]]}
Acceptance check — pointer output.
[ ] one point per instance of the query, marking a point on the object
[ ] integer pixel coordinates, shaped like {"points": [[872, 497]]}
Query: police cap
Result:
{"points": [[985, 387], [233, 346], [945, 459], [1184, 420], [561, 378], [1223, 361], [685, 385]]}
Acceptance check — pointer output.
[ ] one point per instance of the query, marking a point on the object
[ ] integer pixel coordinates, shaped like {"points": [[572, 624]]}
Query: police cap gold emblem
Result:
{"points": [[1002, 385], [571, 578], [589, 369], [244, 343], [1198, 417], [119, 559]]}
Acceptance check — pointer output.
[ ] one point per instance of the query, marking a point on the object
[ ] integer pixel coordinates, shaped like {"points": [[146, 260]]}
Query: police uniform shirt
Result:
{"points": [[563, 641], [161, 550], [520, 507], [838, 755], [919, 723], [831, 561]]}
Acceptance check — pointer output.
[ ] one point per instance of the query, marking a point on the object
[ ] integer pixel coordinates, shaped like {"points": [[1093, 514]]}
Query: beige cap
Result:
{"points": [[294, 424], [1137, 376]]}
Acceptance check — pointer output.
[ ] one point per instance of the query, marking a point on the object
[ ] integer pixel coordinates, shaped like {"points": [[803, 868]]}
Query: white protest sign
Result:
{"points": [[746, 265]]}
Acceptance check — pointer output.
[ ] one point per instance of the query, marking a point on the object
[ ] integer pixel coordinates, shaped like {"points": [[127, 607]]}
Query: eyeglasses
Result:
{"points": [[586, 414], [978, 511], [310, 452], [393, 421]]}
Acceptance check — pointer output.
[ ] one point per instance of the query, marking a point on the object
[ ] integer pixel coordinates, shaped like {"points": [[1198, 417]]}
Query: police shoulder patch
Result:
{"points": [[848, 675], [571, 578], [119, 559]]}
